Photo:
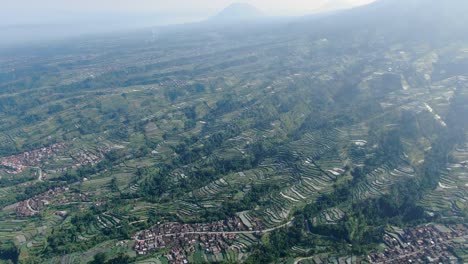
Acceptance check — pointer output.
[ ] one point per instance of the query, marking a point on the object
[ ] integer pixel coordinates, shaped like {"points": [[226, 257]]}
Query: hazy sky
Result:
{"points": [[30, 10], [28, 21]]}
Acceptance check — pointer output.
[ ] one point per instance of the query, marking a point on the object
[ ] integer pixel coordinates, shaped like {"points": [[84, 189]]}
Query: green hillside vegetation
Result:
{"points": [[320, 139]]}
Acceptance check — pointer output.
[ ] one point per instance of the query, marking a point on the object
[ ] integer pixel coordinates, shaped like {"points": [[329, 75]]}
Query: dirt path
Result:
{"points": [[39, 178], [301, 259], [29, 207]]}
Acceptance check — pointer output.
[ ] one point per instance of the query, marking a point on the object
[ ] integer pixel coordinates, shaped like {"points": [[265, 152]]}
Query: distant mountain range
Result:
{"points": [[398, 18], [393, 19]]}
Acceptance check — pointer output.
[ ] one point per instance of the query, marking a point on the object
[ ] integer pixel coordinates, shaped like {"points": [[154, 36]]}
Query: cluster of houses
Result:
{"points": [[427, 244], [86, 157], [174, 83], [25, 209], [177, 255], [182, 239], [17, 163], [464, 164], [56, 196]]}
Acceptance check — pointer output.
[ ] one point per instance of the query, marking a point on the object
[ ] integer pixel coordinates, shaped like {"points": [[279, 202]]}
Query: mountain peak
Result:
{"points": [[238, 12]]}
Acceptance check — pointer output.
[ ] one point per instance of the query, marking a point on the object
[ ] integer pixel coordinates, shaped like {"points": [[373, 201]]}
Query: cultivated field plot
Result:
{"points": [[378, 181], [451, 195]]}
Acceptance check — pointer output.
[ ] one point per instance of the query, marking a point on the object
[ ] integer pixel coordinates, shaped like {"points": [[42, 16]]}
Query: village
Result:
{"points": [[56, 196], [17, 163], [181, 239], [87, 157], [427, 244], [174, 83], [54, 153]]}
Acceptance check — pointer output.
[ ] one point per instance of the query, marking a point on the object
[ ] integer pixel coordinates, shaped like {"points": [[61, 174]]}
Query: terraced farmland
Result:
{"points": [[378, 181], [450, 196], [289, 140]]}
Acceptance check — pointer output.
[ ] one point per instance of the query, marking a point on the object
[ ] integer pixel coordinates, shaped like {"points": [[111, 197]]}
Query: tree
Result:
{"points": [[390, 145], [113, 185], [259, 255], [99, 258], [120, 259], [9, 252], [356, 227]]}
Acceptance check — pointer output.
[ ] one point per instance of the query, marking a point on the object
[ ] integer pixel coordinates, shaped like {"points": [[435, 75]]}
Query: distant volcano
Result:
{"points": [[238, 12]]}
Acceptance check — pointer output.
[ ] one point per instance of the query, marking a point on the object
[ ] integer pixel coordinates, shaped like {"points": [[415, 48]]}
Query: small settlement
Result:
{"points": [[427, 244], [17, 163], [56, 196], [182, 239]]}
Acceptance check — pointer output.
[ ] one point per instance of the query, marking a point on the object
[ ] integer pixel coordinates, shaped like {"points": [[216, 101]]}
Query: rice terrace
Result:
{"points": [[335, 137]]}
